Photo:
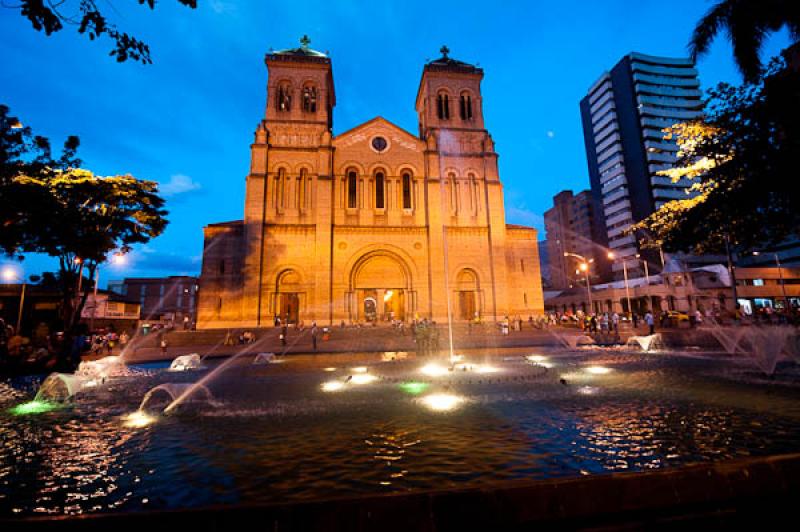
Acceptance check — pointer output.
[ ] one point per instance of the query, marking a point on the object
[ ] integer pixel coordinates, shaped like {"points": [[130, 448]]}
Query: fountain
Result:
{"points": [[110, 366], [571, 341], [264, 358], [164, 394], [186, 363], [646, 343], [60, 387], [765, 345], [728, 337]]}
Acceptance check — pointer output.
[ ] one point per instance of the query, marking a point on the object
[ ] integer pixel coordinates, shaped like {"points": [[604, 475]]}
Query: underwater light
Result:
{"points": [[138, 419], [33, 407], [486, 369], [536, 358], [329, 369], [442, 402], [413, 387], [598, 370], [587, 390], [360, 369], [332, 386], [363, 378], [433, 370]]}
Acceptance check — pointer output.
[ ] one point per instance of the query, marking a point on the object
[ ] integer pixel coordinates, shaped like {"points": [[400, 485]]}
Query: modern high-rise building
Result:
{"points": [[624, 115], [575, 225]]}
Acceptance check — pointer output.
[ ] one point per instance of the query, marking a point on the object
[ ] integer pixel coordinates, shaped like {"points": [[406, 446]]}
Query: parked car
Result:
{"points": [[677, 315]]}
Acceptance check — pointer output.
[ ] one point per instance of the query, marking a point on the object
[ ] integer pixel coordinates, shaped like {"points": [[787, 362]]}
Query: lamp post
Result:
{"points": [[646, 280], [584, 267], [612, 256], [117, 259], [9, 274], [780, 275]]}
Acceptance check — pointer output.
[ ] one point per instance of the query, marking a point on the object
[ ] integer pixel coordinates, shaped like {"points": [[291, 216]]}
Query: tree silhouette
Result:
{"points": [[53, 206], [85, 16], [747, 23]]}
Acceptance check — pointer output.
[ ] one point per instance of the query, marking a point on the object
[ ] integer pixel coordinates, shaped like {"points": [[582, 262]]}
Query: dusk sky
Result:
{"points": [[188, 119]]}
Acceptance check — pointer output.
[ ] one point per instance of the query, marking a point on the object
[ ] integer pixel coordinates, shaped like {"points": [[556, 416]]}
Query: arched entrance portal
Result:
{"points": [[467, 289], [380, 284], [288, 290]]}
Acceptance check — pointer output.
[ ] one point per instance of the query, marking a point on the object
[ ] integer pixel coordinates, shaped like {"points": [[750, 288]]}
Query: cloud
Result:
{"points": [[523, 216], [178, 184], [219, 7], [551, 134]]}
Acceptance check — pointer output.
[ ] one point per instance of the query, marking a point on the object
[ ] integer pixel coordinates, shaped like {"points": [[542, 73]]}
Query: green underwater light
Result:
{"points": [[33, 407], [414, 387]]}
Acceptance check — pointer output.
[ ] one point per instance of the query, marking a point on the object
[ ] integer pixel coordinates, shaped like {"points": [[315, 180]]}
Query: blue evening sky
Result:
{"points": [[188, 119]]}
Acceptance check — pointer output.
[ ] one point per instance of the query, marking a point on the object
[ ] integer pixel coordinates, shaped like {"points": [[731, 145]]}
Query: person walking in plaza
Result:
{"points": [[650, 321], [284, 332], [615, 322], [314, 332]]}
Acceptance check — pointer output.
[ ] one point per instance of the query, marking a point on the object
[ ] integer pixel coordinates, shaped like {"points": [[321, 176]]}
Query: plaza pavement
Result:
{"points": [[351, 339]]}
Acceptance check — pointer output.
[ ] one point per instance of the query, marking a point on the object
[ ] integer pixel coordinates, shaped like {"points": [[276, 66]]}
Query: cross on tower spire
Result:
{"points": [[445, 50], [305, 41]]}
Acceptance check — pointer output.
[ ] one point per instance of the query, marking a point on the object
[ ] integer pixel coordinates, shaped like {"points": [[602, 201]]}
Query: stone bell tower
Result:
{"points": [[290, 158]]}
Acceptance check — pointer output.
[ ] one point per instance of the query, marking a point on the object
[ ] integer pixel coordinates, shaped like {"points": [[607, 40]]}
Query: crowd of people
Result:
{"points": [[44, 350]]}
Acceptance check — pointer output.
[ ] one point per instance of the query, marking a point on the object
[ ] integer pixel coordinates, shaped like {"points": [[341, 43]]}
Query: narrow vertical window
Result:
{"points": [[310, 99], [465, 107], [281, 186], [300, 192], [351, 190], [443, 106], [406, 191], [379, 191], [522, 265], [221, 267]]}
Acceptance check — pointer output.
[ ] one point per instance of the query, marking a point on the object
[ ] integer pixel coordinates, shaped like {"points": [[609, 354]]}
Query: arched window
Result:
{"points": [[310, 99], [443, 106], [466, 106], [473, 193], [280, 182], [453, 192], [283, 98], [352, 182], [380, 184], [406, 190], [301, 189]]}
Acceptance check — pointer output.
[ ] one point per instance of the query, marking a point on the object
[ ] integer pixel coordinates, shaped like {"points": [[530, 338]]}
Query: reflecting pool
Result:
{"points": [[332, 425]]}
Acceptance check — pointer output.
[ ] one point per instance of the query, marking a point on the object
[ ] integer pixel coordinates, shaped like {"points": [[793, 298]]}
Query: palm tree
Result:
{"points": [[747, 23]]}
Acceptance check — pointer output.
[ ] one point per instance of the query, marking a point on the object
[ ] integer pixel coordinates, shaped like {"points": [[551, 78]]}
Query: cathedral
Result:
{"points": [[372, 224]]}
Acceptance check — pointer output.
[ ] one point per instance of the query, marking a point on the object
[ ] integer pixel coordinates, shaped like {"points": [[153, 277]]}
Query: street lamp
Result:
{"points": [[10, 274], [646, 280], [584, 267], [780, 274], [117, 259], [612, 256]]}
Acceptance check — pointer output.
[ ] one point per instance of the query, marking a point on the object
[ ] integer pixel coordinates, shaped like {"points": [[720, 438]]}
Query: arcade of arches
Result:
{"points": [[374, 223]]}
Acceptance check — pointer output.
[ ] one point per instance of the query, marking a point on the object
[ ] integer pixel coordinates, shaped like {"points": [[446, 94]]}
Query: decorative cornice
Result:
{"points": [[414, 229]]}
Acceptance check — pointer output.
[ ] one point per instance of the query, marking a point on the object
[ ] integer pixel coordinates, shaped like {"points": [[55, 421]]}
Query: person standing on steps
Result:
{"points": [[650, 321]]}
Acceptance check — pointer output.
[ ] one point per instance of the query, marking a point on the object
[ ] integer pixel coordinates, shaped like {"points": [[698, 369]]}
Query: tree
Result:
{"points": [[52, 16], [54, 207], [747, 22], [741, 161]]}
